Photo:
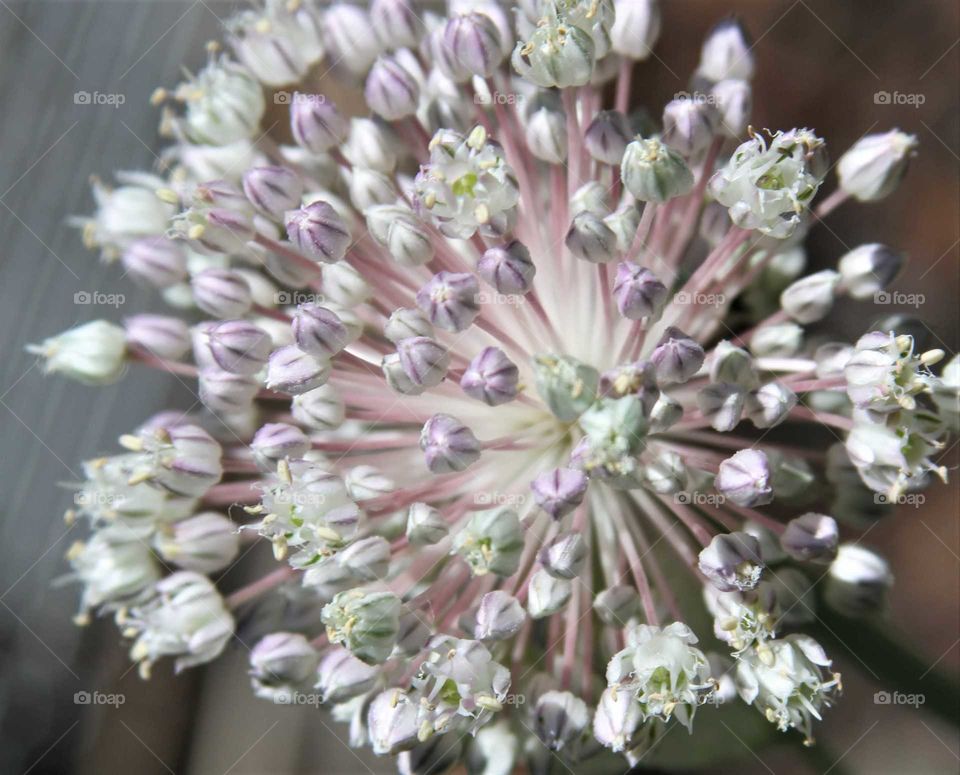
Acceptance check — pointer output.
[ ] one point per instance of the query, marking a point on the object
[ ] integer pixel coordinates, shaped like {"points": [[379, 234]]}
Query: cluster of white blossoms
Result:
{"points": [[487, 366]]}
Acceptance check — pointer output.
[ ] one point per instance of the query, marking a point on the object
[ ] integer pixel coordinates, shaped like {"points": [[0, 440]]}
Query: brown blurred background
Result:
{"points": [[819, 64]]}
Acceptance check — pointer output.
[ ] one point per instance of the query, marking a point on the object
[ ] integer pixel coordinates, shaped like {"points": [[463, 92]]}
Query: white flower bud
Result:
{"points": [[366, 623], [546, 134], [315, 123], [424, 361], [321, 408], [617, 719], [733, 98], [654, 172], [666, 473], [278, 44], [396, 378], [222, 293], [281, 663], [405, 323], [347, 33], [155, 261], [733, 365], [769, 405], [425, 525], [564, 556], [275, 441], [224, 391], [778, 341], [369, 188], [224, 104], [393, 722], [726, 53], [94, 353], [811, 537], [341, 676], [636, 27], [732, 562], [617, 605], [547, 594], [391, 92], [858, 581], [722, 405], [370, 144], [114, 565], [396, 23], [867, 269], [590, 239], [204, 543], [499, 616], [367, 559], [810, 298], [607, 136], [560, 718], [665, 412], [290, 370], [467, 45], [235, 346], [745, 478], [874, 166], [689, 125]]}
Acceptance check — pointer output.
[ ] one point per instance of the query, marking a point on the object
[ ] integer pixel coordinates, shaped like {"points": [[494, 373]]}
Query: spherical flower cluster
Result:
{"points": [[463, 362]]}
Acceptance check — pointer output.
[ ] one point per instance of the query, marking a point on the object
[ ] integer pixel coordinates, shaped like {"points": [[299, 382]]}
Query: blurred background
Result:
{"points": [[819, 64]]}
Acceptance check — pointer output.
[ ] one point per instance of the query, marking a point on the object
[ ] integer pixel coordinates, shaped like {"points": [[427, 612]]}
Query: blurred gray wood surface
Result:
{"points": [[204, 721]]}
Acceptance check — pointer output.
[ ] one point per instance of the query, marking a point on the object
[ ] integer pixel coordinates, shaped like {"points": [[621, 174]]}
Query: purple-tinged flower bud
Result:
{"points": [[745, 478], [347, 33], [321, 408], [391, 92], [560, 491], [222, 293], [396, 377], [733, 98], [220, 195], [617, 719], [341, 676], [677, 358], [219, 230], [547, 594], [560, 719], [769, 405], [425, 525], [448, 445], [858, 581], [468, 45], [204, 543], [689, 125], [607, 137], [396, 23], [406, 322], [590, 239], [277, 441], [636, 27], [811, 538], [160, 335], [273, 190], [564, 556], [224, 391], [726, 53], [491, 377], [507, 268], [875, 165], [315, 123], [185, 459], [450, 300], [367, 559], [393, 722], [722, 404], [810, 298], [732, 562], [653, 172], [638, 292], [499, 616], [238, 346], [867, 269], [424, 360], [617, 605], [319, 331], [291, 370], [317, 231], [155, 261]]}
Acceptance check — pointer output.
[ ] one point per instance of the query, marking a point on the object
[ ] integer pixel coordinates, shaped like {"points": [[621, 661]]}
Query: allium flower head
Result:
{"points": [[465, 359]]}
